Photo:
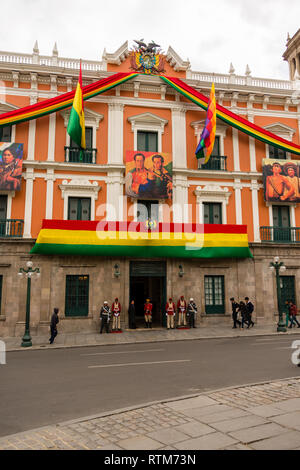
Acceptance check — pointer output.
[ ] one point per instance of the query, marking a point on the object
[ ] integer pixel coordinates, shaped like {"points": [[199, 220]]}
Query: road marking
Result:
{"points": [[123, 352], [138, 364]]}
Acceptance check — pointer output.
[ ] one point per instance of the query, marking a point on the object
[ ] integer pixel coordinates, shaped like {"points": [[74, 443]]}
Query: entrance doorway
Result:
{"points": [[148, 281]]}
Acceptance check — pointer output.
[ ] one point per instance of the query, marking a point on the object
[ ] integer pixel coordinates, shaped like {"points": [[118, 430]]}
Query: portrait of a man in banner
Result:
{"points": [[281, 180], [11, 160], [148, 175]]}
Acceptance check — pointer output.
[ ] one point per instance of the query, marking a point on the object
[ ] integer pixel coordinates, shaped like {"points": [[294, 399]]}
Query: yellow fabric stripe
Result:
{"points": [[81, 237]]}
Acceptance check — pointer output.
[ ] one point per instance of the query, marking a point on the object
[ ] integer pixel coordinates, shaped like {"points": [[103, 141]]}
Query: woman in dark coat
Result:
{"points": [[131, 312]]}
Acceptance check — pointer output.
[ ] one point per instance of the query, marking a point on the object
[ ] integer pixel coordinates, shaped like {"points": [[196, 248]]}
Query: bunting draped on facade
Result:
{"points": [[135, 239], [65, 100], [233, 119]]}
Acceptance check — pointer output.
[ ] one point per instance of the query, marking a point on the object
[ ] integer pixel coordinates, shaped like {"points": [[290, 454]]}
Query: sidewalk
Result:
{"points": [[253, 417], [143, 336]]}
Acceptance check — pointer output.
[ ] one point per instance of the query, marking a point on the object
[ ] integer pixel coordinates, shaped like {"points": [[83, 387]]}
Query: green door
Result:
{"points": [[281, 223], [287, 290], [77, 296], [214, 294]]}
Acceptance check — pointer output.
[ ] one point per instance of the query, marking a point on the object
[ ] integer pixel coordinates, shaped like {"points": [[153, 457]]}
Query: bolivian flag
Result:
{"points": [[76, 125], [136, 239]]}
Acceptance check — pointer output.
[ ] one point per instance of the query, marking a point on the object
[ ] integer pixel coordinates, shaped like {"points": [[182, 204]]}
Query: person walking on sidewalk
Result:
{"points": [[116, 311], [235, 308], [293, 313], [243, 310], [250, 308], [170, 312], [105, 317], [53, 325], [191, 313]]}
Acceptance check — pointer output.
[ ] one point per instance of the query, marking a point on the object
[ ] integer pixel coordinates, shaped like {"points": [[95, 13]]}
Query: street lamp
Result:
{"points": [[278, 267], [29, 273]]}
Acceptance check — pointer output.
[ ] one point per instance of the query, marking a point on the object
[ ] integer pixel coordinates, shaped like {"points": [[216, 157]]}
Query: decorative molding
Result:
{"points": [[117, 57], [212, 193], [79, 187], [148, 122], [176, 62]]}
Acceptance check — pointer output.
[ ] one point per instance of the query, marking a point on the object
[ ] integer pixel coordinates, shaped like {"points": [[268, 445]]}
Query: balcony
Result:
{"points": [[76, 155], [11, 228], [280, 234], [215, 163]]}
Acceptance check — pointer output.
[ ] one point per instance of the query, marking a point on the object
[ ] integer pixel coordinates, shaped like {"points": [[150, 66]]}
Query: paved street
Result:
{"points": [[264, 416], [67, 383]]}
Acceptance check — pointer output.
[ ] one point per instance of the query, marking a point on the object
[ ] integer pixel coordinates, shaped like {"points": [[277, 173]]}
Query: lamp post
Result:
{"points": [[29, 273], [277, 267]]}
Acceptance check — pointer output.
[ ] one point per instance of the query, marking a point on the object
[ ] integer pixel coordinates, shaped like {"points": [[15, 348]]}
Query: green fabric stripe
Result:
{"points": [[228, 121], [74, 128], [141, 251]]}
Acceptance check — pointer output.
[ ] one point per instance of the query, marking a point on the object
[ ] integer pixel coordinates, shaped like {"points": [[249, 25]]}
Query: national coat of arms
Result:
{"points": [[146, 58]]}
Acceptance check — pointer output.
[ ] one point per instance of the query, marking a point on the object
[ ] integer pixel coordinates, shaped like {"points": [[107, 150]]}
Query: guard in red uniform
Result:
{"points": [[148, 313], [181, 308], [116, 312], [170, 312]]}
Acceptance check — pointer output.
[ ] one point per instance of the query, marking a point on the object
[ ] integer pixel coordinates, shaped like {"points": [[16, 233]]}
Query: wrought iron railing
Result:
{"points": [[11, 228], [280, 234], [215, 163], [77, 155]]}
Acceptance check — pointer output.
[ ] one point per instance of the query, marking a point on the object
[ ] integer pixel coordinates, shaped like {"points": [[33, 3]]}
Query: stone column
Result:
{"points": [[50, 178], [115, 133], [238, 201], [29, 177], [31, 135], [236, 150], [179, 137]]}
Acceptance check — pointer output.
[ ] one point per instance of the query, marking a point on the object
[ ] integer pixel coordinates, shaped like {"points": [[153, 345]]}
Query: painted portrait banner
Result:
{"points": [[281, 180], [11, 160], [148, 175]]}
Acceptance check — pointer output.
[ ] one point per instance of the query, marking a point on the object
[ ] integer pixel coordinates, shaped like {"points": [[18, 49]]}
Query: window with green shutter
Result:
{"points": [[79, 208], [214, 294], [1, 281], [147, 141], [77, 296]]}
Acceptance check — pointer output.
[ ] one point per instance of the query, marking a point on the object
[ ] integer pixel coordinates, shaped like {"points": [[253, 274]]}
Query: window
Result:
{"points": [[5, 134], [147, 141], [216, 149], [276, 153], [88, 139], [79, 208], [3, 214], [212, 213], [147, 210], [214, 294], [281, 223], [77, 296]]}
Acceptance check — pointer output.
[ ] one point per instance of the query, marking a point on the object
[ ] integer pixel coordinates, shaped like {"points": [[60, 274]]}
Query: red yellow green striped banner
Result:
{"points": [[233, 119], [65, 100], [135, 239]]}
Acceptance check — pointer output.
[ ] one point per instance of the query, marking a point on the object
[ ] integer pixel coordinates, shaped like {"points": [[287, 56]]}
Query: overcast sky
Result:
{"points": [[211, 33]]}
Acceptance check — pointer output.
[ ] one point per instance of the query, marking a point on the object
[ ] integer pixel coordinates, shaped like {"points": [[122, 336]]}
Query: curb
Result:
{"points": [[145, 340]]}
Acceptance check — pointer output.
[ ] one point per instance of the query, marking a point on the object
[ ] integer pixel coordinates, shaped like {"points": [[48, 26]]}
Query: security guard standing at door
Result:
{"points": [[148, 313]]}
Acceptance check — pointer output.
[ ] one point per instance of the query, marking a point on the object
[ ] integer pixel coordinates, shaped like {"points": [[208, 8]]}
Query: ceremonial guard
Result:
{"points": [[181, 308], [191, 313], [148, 313], [170, 312], [105, 317], [116, 311]]}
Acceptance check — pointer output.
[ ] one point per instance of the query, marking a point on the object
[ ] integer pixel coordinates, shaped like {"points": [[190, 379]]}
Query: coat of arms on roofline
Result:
{"points": [[146, 58]]}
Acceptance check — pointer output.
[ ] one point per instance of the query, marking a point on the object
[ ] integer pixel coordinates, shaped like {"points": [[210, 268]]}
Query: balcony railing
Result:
{"points": [[215, 163], [280, 234], [11, 228], [76, 155]]}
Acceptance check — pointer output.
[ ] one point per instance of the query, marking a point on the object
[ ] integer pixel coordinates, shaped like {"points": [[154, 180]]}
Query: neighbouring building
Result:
{"points": [[146, 114]]}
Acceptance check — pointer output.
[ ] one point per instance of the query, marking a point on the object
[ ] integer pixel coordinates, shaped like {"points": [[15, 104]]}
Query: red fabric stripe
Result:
{"points": [[105, 226], [193, 92], [64, 97]]}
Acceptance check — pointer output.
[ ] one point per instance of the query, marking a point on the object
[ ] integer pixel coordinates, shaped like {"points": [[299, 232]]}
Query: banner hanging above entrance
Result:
{"points": [[135, 239]]}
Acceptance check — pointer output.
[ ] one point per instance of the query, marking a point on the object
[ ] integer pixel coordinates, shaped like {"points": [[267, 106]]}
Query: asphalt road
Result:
{"points": [[38, 388]]}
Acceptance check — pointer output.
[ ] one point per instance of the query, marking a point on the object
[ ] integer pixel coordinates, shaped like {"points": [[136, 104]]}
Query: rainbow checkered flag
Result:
{"points": [[207, 139]]}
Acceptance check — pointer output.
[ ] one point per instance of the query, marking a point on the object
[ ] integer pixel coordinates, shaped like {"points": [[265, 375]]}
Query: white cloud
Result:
{"points": [[210, 33]]}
